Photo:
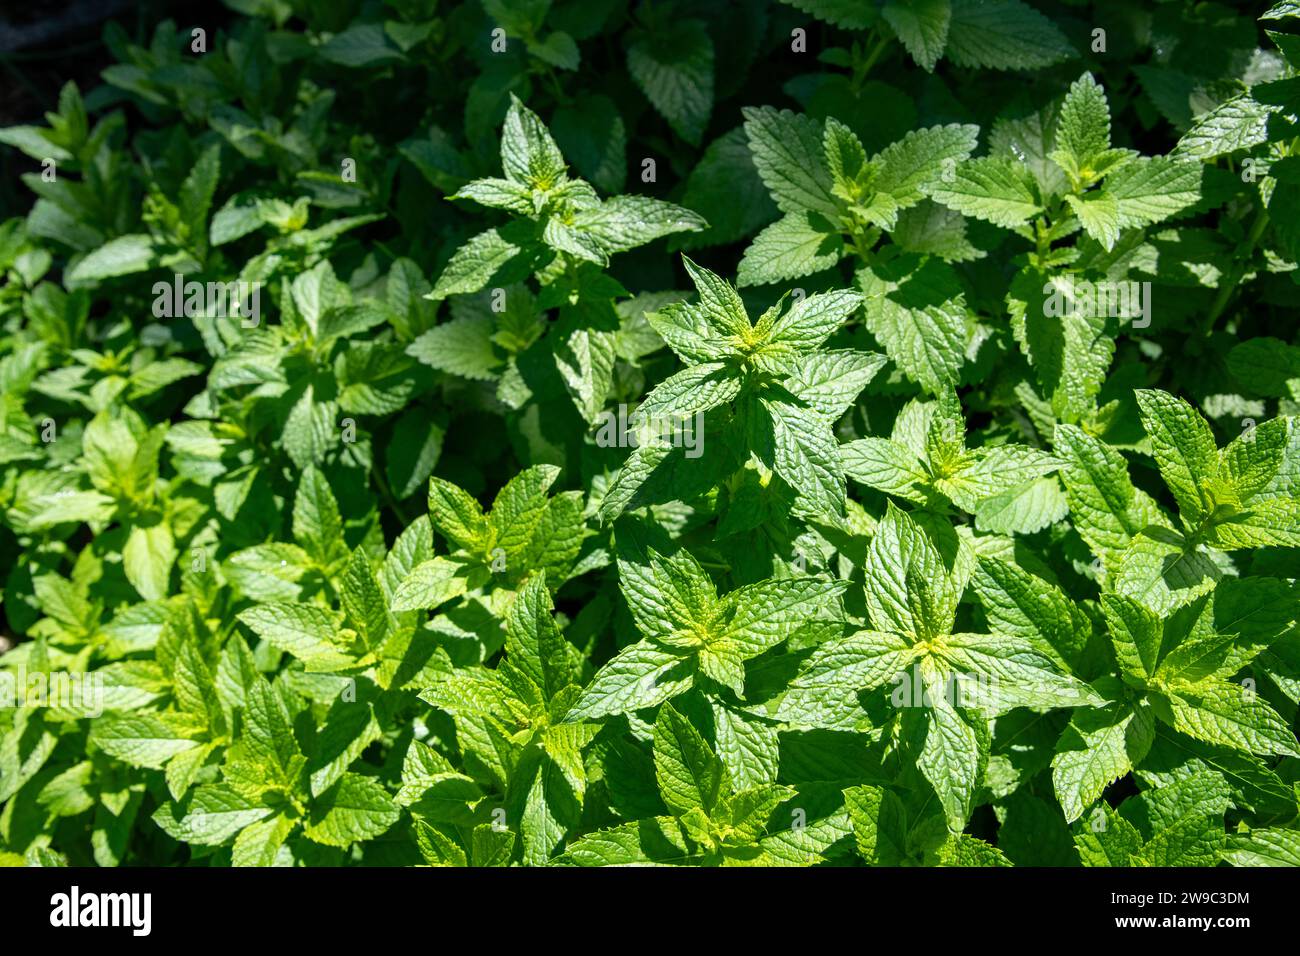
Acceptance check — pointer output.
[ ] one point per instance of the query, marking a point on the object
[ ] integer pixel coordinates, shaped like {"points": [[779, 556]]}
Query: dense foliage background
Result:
{"points": [[975, 543]]}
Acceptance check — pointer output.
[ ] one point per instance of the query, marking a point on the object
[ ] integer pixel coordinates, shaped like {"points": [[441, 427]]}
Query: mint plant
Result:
{"points": [[796, 434], [778, 393]]}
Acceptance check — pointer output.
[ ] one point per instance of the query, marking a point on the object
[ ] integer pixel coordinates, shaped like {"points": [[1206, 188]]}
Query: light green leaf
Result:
{"points": [[147, 740], [1020, 604], [475, 264], [918, 313], [885, 465], [529, 155], [1098, 747], [807, 456], [1165, 570], [317, 525], [1083, 130], [997, 672], [911, 590], [259, 843], [456, 515], [1107, 510], [498, 194], [830, 380], [930, 229], [637, 677], [533, 642], [1231, 715], [748, 746], [861, 661], [1099, 213], [668, 594], [1150, 190], [1026, 509], [307, 631], [585, 360], [1240, 122], [787, 150], [147, 560], [117, 257], [1268, 846], [796, 245], [215, 814], [356, 808], [909, 167], [625, 222], [460, 347], [696, 388], [766, 613], [810, 321], [430, 584], [688, 773], [519, 507], [997, 190], [949, 757], [993, 471], [1184, 449]]}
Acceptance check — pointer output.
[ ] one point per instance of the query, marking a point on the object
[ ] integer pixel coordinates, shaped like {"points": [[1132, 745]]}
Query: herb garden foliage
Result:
{"points": [[948, 560]]}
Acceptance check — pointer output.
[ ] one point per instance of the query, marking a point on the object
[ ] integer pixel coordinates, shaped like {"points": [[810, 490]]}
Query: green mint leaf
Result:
{"points": [[529, 155], [674, 67], [996, 190], [689, 774], [921, 26], [787, 151], [1004, 35], [798, 244], [1184, 448], [1099, 746], [914, 593], [356, 808]]}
